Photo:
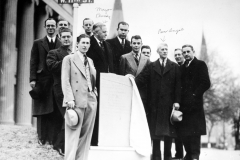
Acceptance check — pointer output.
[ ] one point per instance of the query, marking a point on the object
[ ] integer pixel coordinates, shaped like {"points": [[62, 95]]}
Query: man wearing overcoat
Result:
{"points": [[43, 108], [100, 52], [164, 88], [195, 81]]}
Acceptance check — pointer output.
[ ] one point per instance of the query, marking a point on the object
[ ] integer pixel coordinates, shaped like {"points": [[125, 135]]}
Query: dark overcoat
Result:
{"points": [[54, 63], [163, 90], [103, 61], [118, 51], [40, 73], [195, 81]]}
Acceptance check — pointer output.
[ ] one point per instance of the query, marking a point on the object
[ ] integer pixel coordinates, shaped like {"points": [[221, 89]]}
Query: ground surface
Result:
{"points": [[20, 143]]}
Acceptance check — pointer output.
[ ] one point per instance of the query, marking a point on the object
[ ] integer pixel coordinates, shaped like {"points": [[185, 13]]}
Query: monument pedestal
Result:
{"points": [[123, 129], [116, 153]]}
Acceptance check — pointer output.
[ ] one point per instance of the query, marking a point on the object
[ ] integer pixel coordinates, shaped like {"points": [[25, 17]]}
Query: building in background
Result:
{"points": [[22, 22]]}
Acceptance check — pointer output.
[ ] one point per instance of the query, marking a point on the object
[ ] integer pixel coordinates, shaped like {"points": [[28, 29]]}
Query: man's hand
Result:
{"points": [[32, 84], [129, 75], [71, 104], [176, 106]]}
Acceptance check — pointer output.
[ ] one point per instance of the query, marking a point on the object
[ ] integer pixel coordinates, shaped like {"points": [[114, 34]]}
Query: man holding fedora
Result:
{"points": [[80, 98]]}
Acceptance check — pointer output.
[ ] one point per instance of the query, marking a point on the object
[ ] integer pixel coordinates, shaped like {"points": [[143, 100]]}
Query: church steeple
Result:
{"points": [[203, 54], [117, 16]]}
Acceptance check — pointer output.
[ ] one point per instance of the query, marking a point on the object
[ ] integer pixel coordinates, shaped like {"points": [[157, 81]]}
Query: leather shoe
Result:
{"points": [[59, 150], [41, 142]]}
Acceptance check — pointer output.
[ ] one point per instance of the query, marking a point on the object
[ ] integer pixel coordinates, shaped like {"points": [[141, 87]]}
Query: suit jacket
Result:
{"points": [[102, 62], [128, 64], [40, 73], [74, 81], [118, 51], [195, 81], [163, 90]]}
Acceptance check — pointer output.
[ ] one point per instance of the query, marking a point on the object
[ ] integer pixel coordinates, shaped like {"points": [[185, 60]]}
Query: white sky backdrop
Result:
{"points": [[219, 19]]}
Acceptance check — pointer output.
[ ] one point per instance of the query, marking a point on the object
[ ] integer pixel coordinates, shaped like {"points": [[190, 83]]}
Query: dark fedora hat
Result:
{"points": [[37, 92]]}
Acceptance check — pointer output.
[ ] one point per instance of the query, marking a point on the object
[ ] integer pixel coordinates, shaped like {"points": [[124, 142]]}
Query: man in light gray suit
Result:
{"points": [[78, 85], [133, 63]]}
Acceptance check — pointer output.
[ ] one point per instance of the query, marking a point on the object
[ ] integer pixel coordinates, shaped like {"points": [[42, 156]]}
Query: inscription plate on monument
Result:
{"points": [[114, 110]]}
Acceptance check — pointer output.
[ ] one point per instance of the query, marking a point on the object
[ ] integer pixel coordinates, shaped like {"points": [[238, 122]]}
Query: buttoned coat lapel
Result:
{"points": [[156, 67], [45, 43], [79, 64], [167, 67], [142, 63], [132, 61]]}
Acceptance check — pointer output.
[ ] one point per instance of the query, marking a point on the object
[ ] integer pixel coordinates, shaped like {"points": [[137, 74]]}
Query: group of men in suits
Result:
{"points": [[162, 84]]}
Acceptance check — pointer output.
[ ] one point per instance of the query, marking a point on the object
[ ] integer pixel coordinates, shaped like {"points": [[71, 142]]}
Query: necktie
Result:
{"points": [[122, 43], [101, 44], [136, 59], [51, 41], [85, 60], [162, 66], [187, 63]]}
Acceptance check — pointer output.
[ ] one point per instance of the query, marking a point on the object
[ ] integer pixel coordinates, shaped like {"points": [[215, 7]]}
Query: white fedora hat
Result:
{"points": [[176, 116], [71, 117]]}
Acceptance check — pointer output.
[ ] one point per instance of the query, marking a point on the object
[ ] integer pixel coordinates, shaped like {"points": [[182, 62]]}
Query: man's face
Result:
{"points": [[50, 27], [83, 45], [87, 26], [136, 45], [178, 56], [62, 24], [122, 31], [163, 51], [66, 38], [146, 52], [188, 53], [102, 33]]}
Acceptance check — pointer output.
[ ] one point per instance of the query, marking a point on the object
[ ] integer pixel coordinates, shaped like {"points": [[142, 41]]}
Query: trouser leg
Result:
{"points": [[195, 146], [167, 147], [178, 147], [186, 143], [87, 128], [156, 153]]}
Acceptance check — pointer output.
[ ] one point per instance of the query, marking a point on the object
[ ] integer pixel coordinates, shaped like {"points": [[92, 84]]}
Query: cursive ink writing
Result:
{"points": [[170, 30]]}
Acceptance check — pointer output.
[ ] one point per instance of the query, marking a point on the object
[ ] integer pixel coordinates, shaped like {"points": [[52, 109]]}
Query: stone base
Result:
{"points": [[115, 153]]}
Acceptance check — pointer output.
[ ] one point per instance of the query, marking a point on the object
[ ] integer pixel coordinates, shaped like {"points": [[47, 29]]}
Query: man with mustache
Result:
{"points": [[54, 62]]}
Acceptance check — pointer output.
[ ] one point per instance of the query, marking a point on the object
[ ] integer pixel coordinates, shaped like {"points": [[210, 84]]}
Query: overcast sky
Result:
{"points": [[218, 19]]}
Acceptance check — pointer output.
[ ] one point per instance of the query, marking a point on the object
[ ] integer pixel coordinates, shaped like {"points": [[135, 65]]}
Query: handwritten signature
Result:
{"points": [[170, 31]]}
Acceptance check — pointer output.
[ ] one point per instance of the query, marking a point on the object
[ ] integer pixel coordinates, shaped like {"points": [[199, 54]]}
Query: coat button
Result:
{"points": [[76, 90], [76, 81], [75, 72]]}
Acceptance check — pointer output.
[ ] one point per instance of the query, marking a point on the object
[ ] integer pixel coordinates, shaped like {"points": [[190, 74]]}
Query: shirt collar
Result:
{"points": [[189, 62], [49, 38], [80, 54], [165, 61], [97, 41], [120, 40], [138, 55]]}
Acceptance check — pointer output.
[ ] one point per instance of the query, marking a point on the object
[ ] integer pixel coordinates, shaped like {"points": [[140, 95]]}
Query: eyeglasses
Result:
{"points": [[50, 25], [186, 51]]}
